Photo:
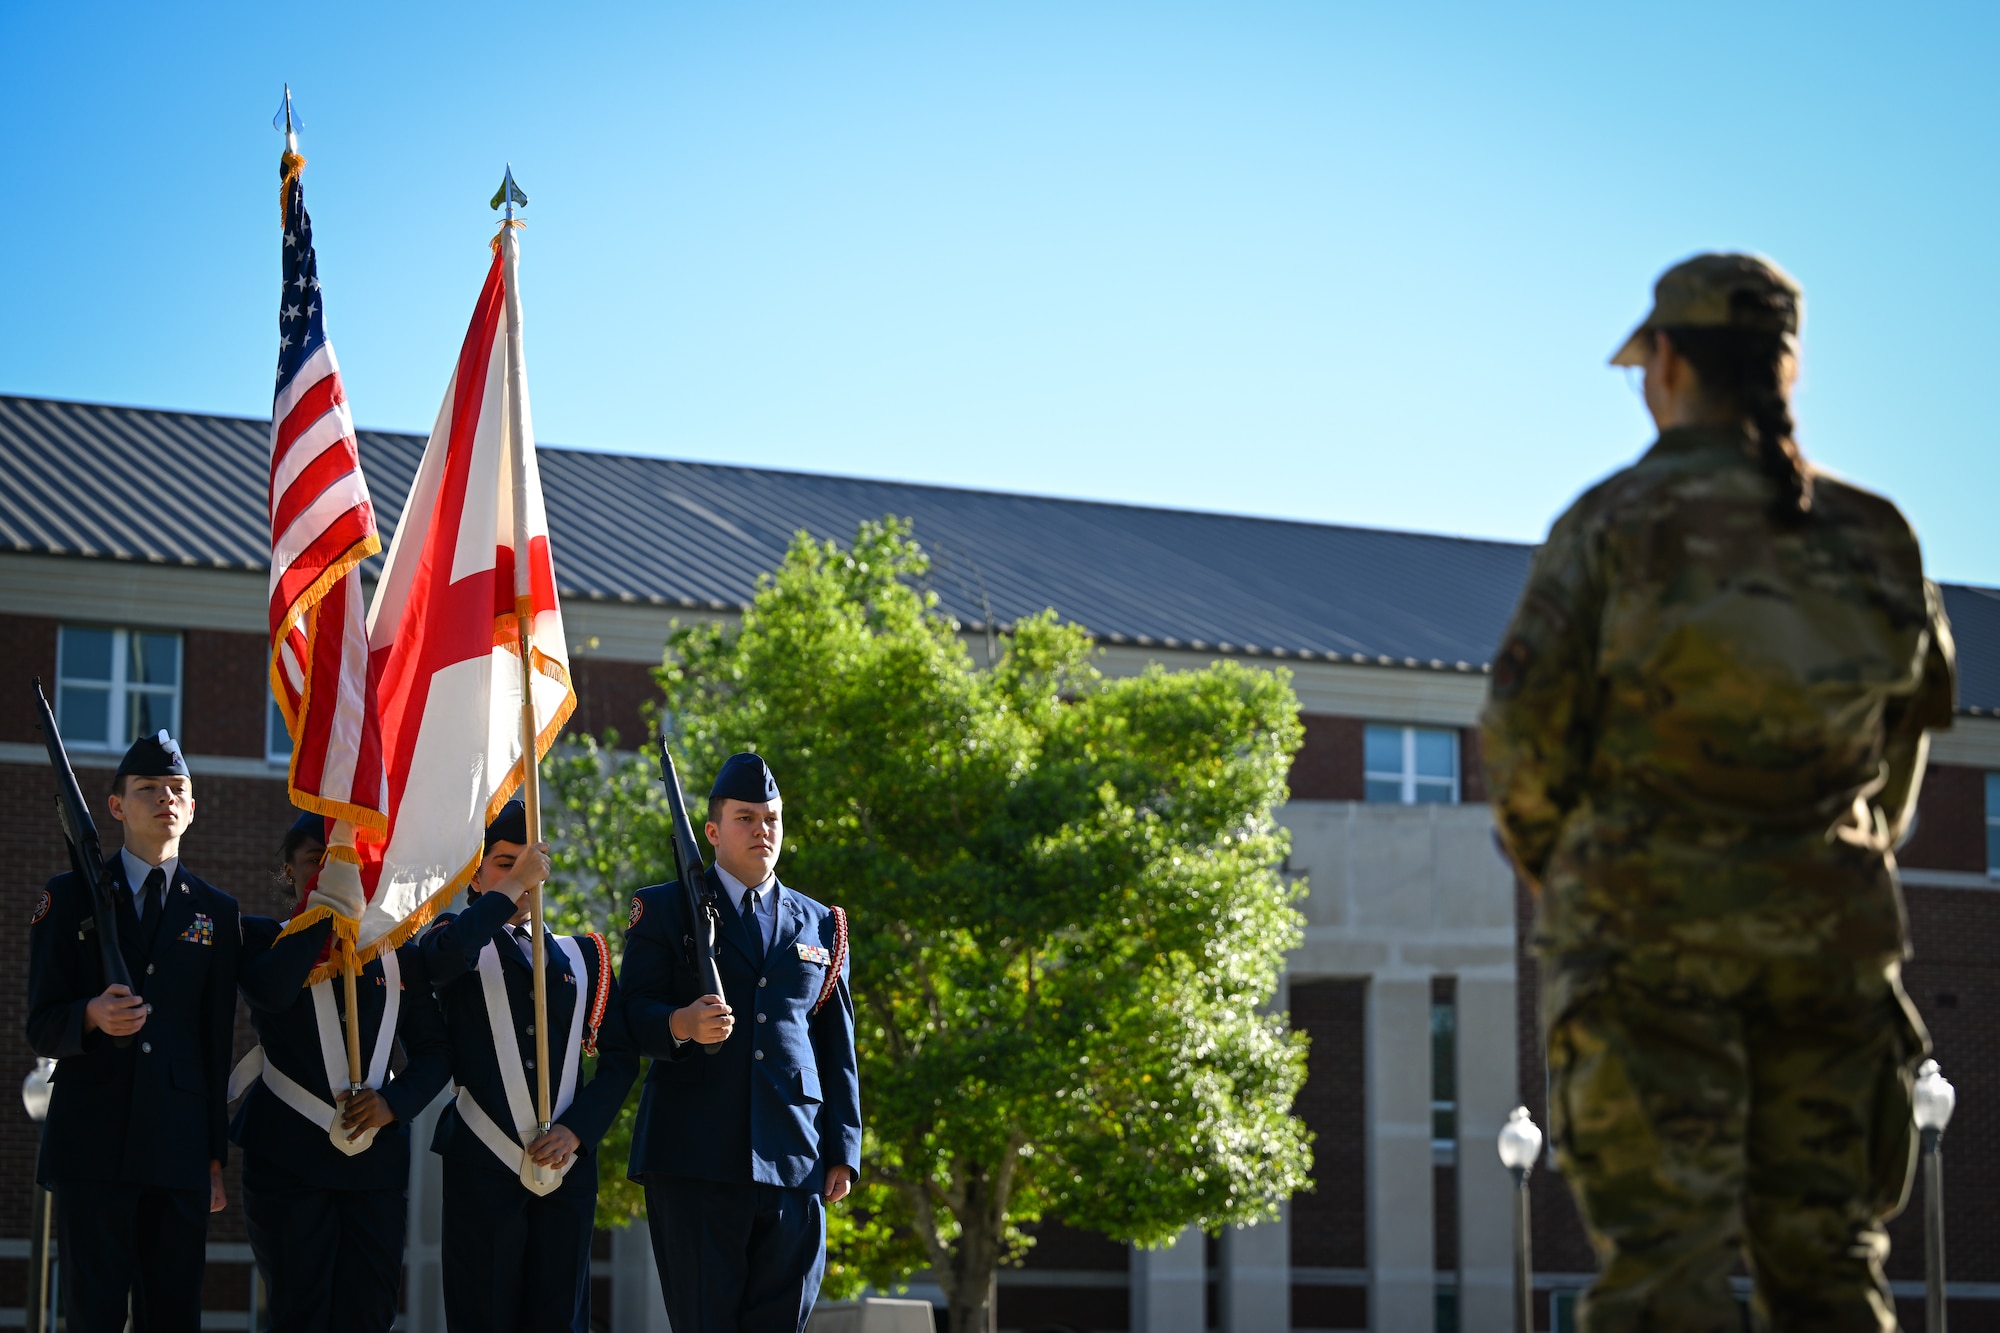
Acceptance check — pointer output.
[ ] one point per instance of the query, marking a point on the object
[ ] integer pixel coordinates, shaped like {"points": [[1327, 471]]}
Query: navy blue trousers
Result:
{"points": [[736, 1258], [332, 1259], [513, 1262], [126, 1242]]}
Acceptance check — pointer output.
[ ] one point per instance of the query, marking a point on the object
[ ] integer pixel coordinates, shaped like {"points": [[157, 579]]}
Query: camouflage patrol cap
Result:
{"points": [[1716, 291]]}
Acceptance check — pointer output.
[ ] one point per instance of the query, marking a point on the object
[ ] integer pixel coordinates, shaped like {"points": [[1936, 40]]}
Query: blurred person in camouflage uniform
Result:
{"points": [[1705, 738]]}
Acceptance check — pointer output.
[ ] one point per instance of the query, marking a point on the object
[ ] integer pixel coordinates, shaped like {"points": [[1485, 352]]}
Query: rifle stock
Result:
{"points": [[703, 914], [86, 853]]}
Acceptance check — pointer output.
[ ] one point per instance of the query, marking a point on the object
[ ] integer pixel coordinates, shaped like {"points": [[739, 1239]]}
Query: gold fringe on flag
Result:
{"points": [[289, 167]]}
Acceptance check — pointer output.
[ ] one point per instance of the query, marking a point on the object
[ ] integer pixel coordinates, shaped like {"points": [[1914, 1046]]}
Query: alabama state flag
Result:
{"points": [[469, 560]]}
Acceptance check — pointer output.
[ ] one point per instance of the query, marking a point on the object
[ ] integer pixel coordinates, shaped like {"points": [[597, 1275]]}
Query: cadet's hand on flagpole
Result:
{"points": [[364, 1110], [217, 1199], [530, 868], [555, 1148], [707, 1021], [839, 1180], [117, 1012]]}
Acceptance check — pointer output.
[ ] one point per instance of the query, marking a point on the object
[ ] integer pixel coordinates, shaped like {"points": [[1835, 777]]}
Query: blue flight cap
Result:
{"points": [[157, 756], [310, 825], [745, 777], [510, 825]]}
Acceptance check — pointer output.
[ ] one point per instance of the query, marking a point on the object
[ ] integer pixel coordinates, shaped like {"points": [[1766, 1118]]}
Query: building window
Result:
{"points": [[277, 740], [1411, 765], [1444, 1079], [116, 685], [1993, 824]]}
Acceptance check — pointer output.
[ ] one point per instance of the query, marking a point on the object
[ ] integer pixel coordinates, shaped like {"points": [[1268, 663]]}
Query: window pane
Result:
{"points": [[156, 659], [86, 655], [1384, 749], [1385, 793], [1444, 1053], [85, 716], [277, 741], [150, 711], [1437, 754], [1431, 792], [1993, 823]]}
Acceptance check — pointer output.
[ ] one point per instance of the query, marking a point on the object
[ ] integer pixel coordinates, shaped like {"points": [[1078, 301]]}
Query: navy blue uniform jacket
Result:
{"points": [[273, 979], [781, 1101], [152, 1113], [451, 957]]}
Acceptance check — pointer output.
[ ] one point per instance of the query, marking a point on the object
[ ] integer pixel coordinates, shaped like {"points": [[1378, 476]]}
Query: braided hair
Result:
{"points": [[1749, 369]]}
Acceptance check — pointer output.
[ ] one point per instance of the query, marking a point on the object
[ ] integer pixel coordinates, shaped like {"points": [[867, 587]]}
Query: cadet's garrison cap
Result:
{"points": [[510, 825], [744, 777], [312, 826], [1718, 291], [156, 756]]}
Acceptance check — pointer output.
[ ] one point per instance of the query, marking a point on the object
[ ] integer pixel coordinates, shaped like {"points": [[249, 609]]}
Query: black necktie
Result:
{"points": [[149, 915], [527, 949], [755, 923]]}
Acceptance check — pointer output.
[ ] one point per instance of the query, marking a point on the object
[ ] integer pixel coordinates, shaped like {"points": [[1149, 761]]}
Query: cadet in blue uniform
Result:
{"points": [[136, 1135], [515, 1260], [327, 1221], [737, 1151]]}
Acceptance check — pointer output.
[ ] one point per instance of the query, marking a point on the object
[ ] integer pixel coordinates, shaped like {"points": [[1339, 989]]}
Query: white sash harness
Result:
{"points": [[514, 1075], [333, 1051]]}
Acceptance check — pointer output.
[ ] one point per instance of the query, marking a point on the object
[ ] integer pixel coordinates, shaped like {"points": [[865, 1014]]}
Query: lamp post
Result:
{"points": [[1935, 1099], [35, 1091], [1520, 1144]]}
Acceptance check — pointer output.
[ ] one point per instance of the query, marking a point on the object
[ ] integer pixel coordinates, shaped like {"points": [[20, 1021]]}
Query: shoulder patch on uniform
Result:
{"points": [[41, 908], [638, 910], [438, 924]]}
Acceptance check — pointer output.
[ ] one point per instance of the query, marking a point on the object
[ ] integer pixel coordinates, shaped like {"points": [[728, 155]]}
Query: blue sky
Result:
{"points": [[1360, 264]]}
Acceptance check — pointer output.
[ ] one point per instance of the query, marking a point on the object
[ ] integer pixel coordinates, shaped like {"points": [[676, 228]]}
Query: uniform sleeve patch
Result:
{"points": [[41, 908], [638, 910]]}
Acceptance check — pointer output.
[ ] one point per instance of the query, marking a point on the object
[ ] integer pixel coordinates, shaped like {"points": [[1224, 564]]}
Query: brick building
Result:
{"points": [[142, 605]]}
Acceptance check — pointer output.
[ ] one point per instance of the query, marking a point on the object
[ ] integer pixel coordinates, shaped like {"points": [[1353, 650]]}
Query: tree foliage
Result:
{"points": [[1067, 912]]}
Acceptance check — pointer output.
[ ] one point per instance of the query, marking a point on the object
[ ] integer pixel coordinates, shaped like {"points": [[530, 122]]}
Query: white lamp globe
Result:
{"points": [[1935, 1097], [37, 1087], [1520, 1141]]}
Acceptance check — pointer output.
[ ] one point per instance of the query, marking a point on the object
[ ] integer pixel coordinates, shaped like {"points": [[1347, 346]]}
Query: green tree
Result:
{"points": [[605, 817], [1067, 913]]}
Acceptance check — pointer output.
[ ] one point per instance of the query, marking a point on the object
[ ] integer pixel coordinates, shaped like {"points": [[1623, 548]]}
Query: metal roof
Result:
{"points": [[696, 535]]}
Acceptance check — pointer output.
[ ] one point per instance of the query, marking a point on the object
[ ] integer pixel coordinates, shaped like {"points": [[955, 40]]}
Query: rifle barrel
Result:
{"points": [[703, 916], [86, 853]]}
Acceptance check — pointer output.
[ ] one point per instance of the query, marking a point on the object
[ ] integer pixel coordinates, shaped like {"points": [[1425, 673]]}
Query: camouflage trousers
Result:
{"points": [[1704, 1108]]}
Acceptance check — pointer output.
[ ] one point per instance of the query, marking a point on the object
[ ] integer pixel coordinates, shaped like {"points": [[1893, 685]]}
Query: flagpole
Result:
{"points": [[524, 614]]}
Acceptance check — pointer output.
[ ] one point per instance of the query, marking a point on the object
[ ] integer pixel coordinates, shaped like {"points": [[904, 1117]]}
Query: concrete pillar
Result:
{"points": [[1401, 1256], [1255, 1294], [1488, 1088], [1170, 1286], [424, 1253], [636, 1303]]}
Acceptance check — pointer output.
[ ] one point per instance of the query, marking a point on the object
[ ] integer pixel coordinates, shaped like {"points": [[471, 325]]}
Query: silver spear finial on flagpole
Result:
{"points": [[288, 121], [509, 194]]}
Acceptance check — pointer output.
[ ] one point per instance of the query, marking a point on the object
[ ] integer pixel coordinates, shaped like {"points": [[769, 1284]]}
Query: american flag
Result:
{"points": [[322, 528]]}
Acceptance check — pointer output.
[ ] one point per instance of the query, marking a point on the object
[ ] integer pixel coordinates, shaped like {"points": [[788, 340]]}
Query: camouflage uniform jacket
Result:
{"points": [[1706, 724]]}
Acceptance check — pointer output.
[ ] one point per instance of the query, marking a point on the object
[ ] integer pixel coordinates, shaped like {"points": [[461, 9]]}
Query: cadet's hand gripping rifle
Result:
{"points": [[704, 917], [86, 854]]}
